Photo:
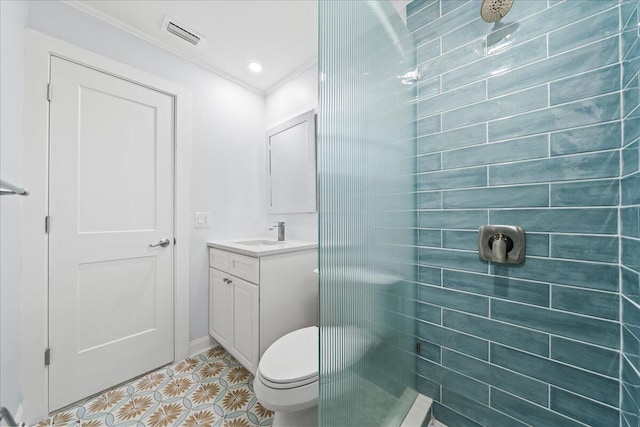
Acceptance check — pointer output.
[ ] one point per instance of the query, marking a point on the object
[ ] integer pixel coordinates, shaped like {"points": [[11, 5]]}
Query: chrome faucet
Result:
{"points": [[280, 226]]}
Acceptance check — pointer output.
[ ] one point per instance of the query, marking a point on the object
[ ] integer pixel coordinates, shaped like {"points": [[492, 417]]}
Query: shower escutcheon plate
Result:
{"points": [[503, 244]]}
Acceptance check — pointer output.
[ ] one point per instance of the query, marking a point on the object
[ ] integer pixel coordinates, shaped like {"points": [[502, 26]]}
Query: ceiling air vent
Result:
{"points": [[181, 31]]}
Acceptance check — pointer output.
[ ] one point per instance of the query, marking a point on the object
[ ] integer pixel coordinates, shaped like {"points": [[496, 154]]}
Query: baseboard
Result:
{"points": [[201, 344]]}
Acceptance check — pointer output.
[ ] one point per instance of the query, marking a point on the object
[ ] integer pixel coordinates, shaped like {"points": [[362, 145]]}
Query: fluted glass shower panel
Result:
{"points": [[366, 167]]}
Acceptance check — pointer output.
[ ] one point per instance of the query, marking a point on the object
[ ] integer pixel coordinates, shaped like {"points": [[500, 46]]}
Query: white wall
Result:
{"points": [[13, 15], [227, 132], [292, 99]]}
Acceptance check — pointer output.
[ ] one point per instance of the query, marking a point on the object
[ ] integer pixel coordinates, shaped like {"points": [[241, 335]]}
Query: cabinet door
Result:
{"points": [[220, 306], [246, 316]]}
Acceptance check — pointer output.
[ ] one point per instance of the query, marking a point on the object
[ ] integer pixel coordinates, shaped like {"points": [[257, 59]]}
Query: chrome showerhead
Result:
{"points": [[494, 10]]}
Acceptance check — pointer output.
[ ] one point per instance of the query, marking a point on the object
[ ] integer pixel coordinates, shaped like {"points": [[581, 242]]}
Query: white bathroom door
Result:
{"points": [[110, 197]]}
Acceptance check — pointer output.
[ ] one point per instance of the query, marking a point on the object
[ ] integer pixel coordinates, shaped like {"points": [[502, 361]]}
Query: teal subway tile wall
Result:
{"points": [[532, 121]]}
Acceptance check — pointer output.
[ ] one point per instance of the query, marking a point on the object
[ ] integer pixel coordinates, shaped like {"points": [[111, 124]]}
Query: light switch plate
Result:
{"points": [[203, 220]]}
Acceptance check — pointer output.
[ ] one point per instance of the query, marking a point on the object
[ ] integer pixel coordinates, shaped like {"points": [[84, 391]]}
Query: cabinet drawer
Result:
{"points": [[245, 267], [219, 259]]}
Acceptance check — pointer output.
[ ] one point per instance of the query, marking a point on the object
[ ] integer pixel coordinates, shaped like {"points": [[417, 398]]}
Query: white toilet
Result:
{"points": [[286, 381]]}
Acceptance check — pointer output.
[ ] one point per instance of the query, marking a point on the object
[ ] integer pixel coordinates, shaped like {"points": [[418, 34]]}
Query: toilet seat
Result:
{"points": [[286, 385], [286, 399], [291, 361]]}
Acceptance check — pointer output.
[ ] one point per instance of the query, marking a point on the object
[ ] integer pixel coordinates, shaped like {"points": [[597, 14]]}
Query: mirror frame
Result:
{"points": [[310, 205]]}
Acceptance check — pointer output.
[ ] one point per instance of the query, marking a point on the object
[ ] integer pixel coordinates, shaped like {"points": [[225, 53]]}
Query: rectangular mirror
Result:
{"points": [[291, 165]]}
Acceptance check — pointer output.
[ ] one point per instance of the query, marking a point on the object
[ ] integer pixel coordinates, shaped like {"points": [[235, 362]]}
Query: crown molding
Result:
{"points": [[292, 75]]}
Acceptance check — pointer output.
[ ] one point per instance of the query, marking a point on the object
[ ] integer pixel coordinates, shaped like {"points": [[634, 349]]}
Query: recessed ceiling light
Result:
{"points": [[255, 67]]}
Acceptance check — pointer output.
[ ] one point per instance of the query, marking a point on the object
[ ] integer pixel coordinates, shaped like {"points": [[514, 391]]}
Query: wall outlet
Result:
{"points": [[203, 219]]}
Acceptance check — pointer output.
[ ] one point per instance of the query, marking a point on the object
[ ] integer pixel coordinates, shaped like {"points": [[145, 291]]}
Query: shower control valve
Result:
{"points": [[501, 243]]}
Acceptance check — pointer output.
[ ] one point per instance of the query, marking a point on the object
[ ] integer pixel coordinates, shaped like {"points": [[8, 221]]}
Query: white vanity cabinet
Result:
{"points": [[259, 295]]}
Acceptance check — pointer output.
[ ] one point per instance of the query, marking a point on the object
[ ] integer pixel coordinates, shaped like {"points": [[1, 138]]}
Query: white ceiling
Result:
{"points": [[282, 35]]}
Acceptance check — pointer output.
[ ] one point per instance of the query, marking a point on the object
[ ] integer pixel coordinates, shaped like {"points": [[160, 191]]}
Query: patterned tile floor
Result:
{"points": [[210, 389]]}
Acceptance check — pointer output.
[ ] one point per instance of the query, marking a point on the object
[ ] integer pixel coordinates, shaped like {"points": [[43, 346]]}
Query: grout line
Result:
{"points": [[563, 130], [530, 378], [619, 213], [513, 325], [630, 301], [636, 371], [485, 100], [539, 307], [421, 10], [532, 159], [490, 359], [546, 36]]}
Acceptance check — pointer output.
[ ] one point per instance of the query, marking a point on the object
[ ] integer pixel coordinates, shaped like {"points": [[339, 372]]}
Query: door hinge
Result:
{"points": [[47, 224], [47, 357], [48, 91], [174, 241], [418, 348]]}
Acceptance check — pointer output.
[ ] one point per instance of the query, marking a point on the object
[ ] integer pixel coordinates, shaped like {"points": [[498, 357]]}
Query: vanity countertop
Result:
{"points": [[258, 247]]}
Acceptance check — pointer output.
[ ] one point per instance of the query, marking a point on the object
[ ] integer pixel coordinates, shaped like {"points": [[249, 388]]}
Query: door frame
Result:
{"points": [[33, 325]]}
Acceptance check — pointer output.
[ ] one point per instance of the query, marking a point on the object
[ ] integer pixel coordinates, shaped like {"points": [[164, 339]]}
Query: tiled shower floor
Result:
{"points": [[210, 389]]}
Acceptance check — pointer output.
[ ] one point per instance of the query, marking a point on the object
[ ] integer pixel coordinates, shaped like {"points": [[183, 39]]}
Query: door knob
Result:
{"points": [[164, 243]]}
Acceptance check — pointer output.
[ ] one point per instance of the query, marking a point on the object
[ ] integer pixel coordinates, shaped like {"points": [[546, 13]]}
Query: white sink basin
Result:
{"points": [[258, 247]]}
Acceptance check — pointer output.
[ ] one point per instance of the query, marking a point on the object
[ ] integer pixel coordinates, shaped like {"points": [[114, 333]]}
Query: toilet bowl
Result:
{"points": [[286, 380]]}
